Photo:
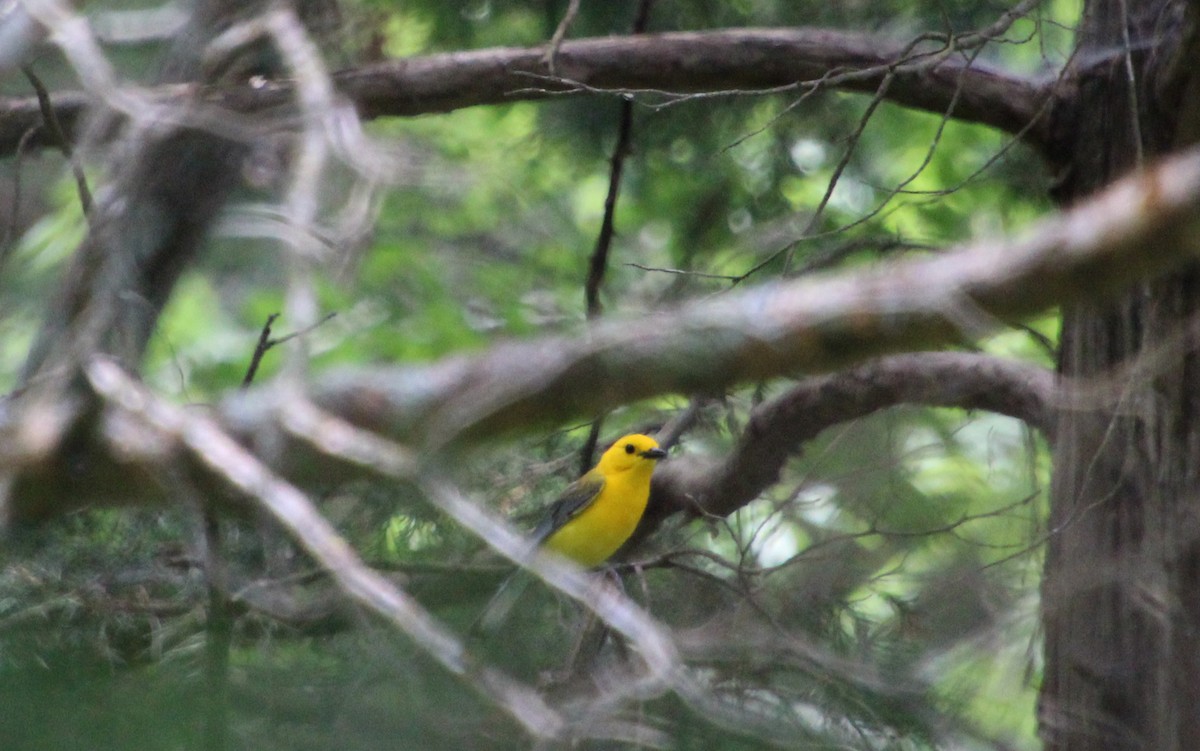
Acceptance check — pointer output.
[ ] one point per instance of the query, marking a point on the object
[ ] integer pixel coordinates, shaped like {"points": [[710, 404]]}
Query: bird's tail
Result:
{"points": [[497, 610]]}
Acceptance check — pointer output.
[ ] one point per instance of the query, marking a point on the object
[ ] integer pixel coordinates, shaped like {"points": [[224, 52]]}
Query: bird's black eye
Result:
{"points": [[629, 449]]}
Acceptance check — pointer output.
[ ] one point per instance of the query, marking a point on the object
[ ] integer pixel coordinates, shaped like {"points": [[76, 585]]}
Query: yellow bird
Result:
{"points": [[597, 513], [592, 518]]}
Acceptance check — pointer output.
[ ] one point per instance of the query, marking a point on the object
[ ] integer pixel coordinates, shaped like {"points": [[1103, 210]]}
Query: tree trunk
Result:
{"points": [[1121, 594]]}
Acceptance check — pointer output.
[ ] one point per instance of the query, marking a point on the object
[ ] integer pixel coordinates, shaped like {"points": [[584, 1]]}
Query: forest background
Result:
{"points": [[306, 309]]}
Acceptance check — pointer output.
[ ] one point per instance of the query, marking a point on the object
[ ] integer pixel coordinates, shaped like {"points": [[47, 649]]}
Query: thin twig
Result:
{"points": [[587, 452], [60, 138], [1135, 115], [685, 272], [307, 329], [560, 33], [265, 343], [599, 261], [598, 266], [851, 147], [806, 234]]}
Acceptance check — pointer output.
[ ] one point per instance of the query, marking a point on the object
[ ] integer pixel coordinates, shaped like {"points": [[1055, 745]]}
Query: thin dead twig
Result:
{"points": [[266, 342], [54, 127]]}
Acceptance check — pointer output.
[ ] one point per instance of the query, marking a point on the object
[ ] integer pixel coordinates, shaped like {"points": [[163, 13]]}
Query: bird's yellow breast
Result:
{"points": [[596, 533]]}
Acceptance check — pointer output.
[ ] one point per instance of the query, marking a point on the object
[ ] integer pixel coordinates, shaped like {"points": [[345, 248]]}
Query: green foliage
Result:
{"points": [[881, 595], [29, 265]]}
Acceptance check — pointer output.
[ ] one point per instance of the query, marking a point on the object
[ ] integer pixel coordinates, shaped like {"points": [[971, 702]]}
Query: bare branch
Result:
{"points": [[221, 457], [778, 429], [736, 61], [560, 33], [336, 439], [260, 350], [216, 455], [50, 120], [1140, 226]]}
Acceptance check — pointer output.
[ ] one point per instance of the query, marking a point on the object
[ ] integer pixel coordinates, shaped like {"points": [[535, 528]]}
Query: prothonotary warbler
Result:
{"points": [[597, 513], [593, 517]]}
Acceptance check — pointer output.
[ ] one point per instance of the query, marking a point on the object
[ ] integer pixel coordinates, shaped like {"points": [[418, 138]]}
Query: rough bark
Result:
{"points": [[1122, 587]]}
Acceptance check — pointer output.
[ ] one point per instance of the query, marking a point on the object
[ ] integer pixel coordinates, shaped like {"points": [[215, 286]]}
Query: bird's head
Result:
{"points": [[631, 452]]}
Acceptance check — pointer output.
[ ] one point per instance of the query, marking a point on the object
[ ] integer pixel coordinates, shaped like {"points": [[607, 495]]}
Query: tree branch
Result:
{"points": [[736, 60], [1142, 225], [778, 429], [214, 454], [741, 61]]}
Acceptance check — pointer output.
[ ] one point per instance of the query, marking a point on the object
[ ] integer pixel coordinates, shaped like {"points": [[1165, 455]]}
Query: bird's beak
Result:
{"points": [[654, 453]]}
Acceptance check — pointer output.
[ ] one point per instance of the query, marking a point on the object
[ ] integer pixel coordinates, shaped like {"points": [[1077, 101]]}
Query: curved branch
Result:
{"points": [[778, 429], [738, 60], [1143, 225], [724, 61], [211, 452]]}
